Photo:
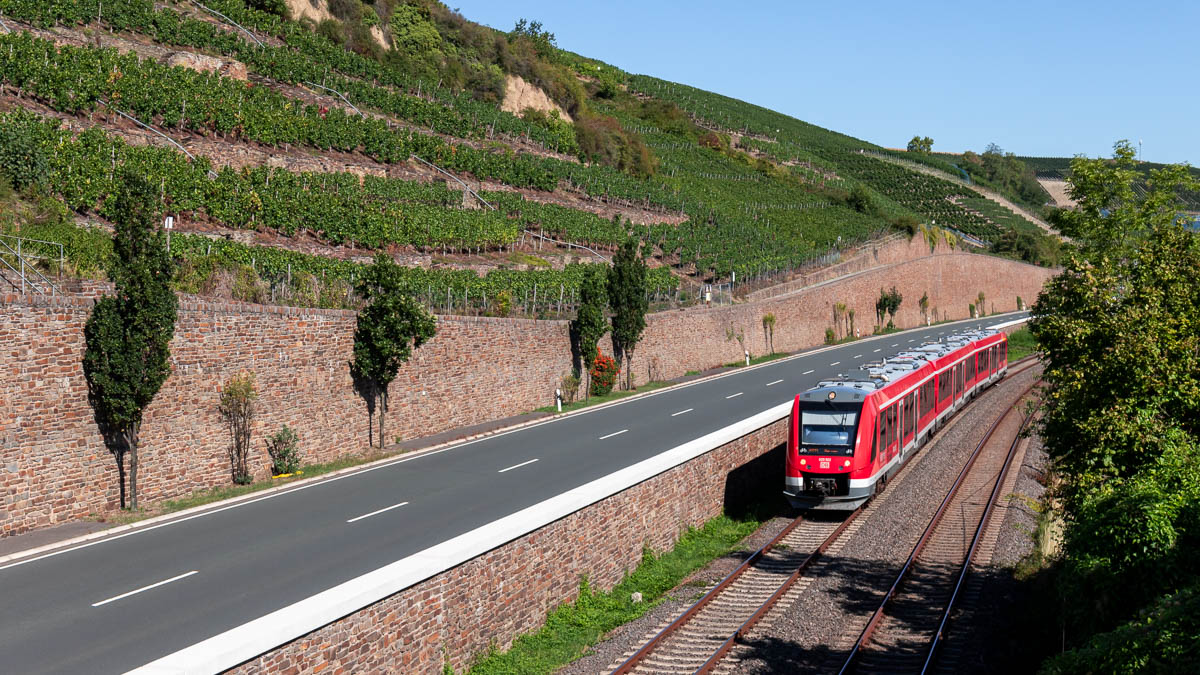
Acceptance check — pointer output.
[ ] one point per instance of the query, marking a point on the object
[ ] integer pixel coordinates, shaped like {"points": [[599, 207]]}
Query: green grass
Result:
{"points": [[526, 259], [1021, 343], [572, 628], [613, 395]]}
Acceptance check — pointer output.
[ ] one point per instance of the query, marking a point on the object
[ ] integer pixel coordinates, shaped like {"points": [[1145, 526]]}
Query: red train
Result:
{"points": [[849, 435]]}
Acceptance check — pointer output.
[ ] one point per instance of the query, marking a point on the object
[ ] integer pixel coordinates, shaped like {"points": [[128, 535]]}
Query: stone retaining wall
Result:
{"points": [[54, 466]]}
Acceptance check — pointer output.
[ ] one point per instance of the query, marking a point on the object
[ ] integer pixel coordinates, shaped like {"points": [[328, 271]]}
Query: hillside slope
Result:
{"points": [[291, 151]]}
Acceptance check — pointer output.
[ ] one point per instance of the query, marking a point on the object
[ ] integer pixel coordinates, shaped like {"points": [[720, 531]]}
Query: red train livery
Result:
{"points": [[850, 434]]}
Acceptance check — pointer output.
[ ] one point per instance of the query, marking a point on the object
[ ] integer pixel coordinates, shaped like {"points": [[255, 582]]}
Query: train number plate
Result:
{"points": [[823, 462]]}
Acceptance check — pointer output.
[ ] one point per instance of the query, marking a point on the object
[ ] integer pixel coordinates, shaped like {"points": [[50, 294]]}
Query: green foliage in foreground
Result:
{"points": [[572, 628], [1119, 331], [1162, 639]]}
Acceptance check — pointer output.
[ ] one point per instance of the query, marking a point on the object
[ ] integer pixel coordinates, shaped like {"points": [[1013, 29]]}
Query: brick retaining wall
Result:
{"points": [[54, 466]]}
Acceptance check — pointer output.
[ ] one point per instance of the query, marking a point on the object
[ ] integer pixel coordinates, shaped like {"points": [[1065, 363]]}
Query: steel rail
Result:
{"points": [[762, 610], [733, 576], [655, 642], [966, 566], [876, 617]]}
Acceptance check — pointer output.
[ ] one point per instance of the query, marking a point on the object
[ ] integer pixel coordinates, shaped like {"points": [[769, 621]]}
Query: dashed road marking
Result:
{"points": [[682, 412], [144, 588], [774, 383], [375, 513], [615, 433], [806, 372], [734, 395], [517, 466]]}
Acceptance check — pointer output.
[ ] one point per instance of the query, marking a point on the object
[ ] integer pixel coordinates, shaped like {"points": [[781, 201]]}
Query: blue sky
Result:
{"points": [[1046, 78]]}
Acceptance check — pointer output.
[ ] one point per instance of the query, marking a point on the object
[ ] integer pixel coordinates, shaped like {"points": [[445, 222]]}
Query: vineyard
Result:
{"points": [[761, 196]]}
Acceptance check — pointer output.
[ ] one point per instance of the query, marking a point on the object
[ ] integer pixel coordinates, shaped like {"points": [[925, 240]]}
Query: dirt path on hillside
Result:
{"points": [[1058, 191]]}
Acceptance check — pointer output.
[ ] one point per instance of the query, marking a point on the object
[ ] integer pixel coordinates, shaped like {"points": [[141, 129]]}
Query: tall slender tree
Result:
{"points": [[589, 324], [128, 335], [389, 328], [627, 298]]}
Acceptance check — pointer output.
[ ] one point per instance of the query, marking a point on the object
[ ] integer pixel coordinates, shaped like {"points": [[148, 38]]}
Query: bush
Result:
{"points": [[246, 285], [237, 407], [281, 447], [604, 374], [830, 336], [569, 384]]}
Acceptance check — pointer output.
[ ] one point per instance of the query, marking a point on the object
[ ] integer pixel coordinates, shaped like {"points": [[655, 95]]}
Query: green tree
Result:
{"points": [[1119, 329], [887, 305], [627, 299], [921, 145], [128, 334], [589, 324], [388, 329]]}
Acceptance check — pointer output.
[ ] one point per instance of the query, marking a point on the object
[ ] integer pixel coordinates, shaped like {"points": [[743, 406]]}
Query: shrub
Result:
{"points": [[569, 384], [237, 407], [604, 374], [830, 336], [247, 287], [502, 305], [281, 447]]}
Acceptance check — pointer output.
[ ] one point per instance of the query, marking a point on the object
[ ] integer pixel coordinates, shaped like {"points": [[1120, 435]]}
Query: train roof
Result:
{"points": [[856, 384]]}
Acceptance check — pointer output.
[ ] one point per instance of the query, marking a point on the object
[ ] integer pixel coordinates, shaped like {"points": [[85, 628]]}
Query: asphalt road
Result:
{"points": [[126, 600]]}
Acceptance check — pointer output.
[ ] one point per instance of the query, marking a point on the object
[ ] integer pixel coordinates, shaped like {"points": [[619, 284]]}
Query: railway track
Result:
{"points": [[905, 632], [698, 640]]}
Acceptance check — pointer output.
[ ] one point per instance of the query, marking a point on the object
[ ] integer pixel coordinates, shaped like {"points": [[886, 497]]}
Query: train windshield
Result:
{"points": [[825, 427]]}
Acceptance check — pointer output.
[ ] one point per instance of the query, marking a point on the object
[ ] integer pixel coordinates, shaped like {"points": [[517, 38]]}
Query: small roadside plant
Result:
{"points": [[830, 336], [569, 385], [237, 407], [768, 322], [281, 448], [604, 374]]}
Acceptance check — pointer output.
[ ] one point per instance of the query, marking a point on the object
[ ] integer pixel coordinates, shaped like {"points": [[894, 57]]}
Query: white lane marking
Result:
{"points": [[615, 433], [912, 340], [896, 345], [682, 412], [858, 356], [375, 513], [144, 588], [806, 372], [770, 384], [735, 395], [876, 350], [517, 466], [835, 363]]}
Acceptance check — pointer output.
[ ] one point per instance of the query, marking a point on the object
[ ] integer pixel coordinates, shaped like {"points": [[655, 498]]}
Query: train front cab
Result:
{"points": [[827, 426]]}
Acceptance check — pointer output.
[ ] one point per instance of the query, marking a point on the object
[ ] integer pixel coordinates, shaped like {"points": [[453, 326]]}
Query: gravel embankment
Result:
{"points": [[809, 634]]}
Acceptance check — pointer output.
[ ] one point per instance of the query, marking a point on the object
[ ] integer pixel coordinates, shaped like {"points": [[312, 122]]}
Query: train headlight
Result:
{"points": [[803, 462], [847, 463]]}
